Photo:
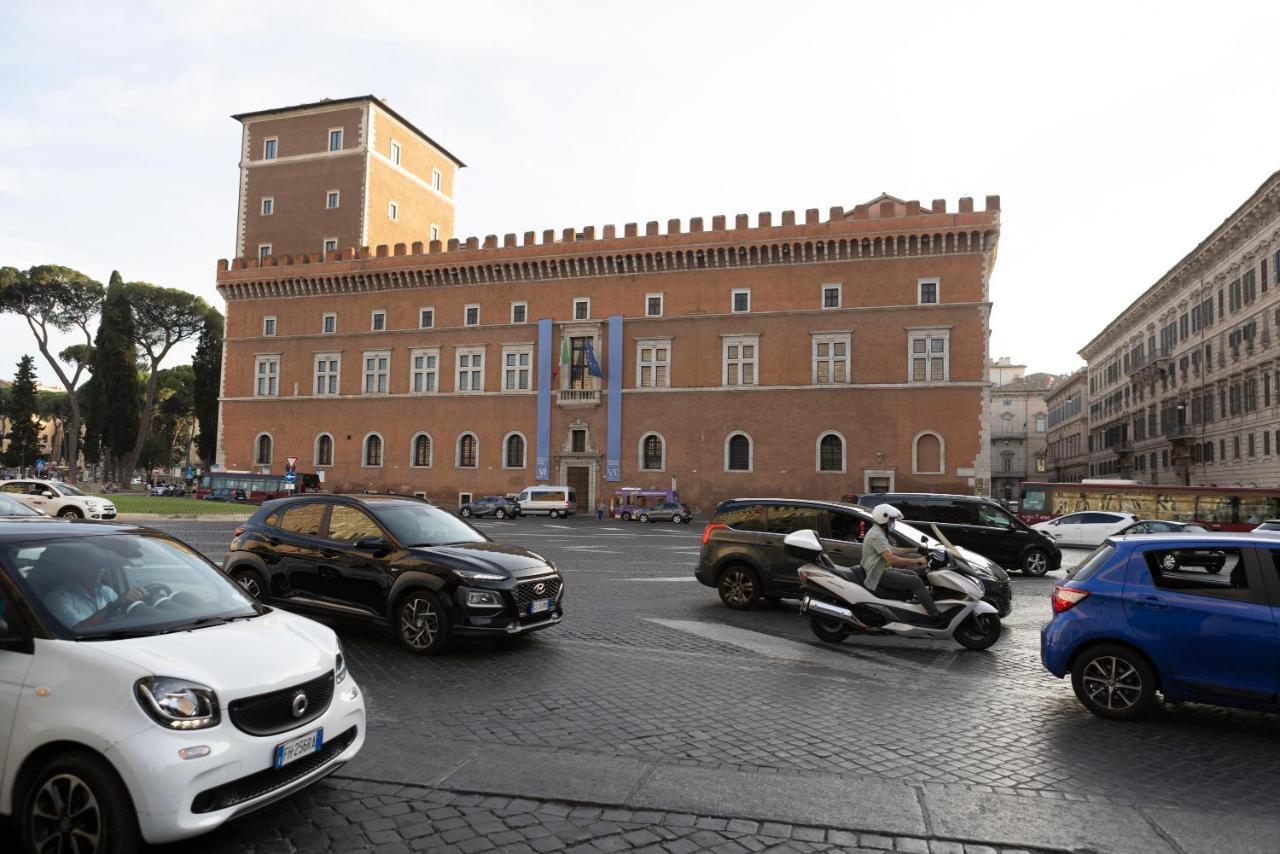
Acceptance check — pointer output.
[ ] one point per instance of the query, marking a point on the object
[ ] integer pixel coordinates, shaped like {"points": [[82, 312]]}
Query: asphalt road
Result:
{"points": [[653, 694]]}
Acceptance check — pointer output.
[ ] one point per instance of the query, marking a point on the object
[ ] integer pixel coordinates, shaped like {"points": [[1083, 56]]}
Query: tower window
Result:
{"points": [[335, 140]]}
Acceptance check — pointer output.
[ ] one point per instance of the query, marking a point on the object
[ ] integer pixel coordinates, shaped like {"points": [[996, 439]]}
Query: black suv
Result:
{"points": [[497, 506], [743, 556], [397, 561], [977, 524]]}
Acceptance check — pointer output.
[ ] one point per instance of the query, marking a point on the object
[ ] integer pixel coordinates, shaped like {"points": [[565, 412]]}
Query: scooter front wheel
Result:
{"points": [[979, 631], [829, 629]]}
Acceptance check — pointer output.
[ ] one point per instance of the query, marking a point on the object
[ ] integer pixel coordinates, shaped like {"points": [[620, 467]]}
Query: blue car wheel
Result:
{"points": [[1113, 681]]}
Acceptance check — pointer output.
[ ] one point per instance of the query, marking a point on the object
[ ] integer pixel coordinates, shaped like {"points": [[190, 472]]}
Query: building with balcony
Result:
{"points": [[807, 355], [1067, 404], [1018, 427], [1184, 385]]}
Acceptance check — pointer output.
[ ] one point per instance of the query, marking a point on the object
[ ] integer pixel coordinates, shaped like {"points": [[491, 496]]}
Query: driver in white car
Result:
{"points": [[80, 597]]}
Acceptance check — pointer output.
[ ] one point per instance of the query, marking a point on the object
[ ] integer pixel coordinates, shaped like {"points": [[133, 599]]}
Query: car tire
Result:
{"points": [[554, 514], [85, 798], [1114, 682], [465, 512], [70, 513], [1035, 562], [739, 587], [422, 622], [644, 517], [251, 582], [500, 513], [829, 629], [978, 631], [1216, 567], [677, 518]]}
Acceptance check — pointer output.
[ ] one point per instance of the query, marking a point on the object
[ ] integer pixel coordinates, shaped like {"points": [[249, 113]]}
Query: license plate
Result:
{"points": [[537, 606], [296, 748]]}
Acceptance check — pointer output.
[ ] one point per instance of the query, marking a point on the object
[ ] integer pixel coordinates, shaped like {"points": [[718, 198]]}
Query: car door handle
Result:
{"points": [[1153, 602]]}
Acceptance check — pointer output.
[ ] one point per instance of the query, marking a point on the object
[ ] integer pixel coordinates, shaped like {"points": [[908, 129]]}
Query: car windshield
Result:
{"points": [[416, 524], [69, 490], [10, 506], [112, 586]]}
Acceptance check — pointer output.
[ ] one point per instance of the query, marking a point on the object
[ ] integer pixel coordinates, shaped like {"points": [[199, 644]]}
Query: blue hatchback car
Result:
{"points": [[1192, 618]]}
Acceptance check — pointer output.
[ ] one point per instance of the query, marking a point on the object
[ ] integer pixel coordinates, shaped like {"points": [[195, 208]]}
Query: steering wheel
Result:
{"points": [[118, 607], [157, 593]]}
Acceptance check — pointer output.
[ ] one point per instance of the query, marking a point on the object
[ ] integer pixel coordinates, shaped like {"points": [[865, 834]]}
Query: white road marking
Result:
{"points": [[663, 578], [554, 525]]}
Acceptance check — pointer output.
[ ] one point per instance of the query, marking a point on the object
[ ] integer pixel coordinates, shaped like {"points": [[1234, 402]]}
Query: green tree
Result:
{"points": [[116, 390], [24, 430], [49, 298], [163, 318], [207, 366]]}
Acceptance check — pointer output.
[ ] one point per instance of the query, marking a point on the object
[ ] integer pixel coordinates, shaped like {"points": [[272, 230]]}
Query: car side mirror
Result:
{"points": [[48, 494], [802, 544], [373, 544]]}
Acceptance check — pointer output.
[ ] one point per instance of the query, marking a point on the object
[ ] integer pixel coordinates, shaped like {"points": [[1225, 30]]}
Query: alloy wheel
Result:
{"points": [[1036, 563], [1112, 683], [66, 817], [419, 622], [737, 587], [249, 584]]}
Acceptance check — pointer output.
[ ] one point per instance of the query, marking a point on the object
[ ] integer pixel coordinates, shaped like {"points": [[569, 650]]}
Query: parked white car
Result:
{"points": [[54, 498], [1086, 529], [145, 697], [555, 501]]}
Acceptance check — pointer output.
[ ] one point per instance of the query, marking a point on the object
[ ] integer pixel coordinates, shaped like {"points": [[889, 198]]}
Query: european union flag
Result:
{"points": [[593, 367]]}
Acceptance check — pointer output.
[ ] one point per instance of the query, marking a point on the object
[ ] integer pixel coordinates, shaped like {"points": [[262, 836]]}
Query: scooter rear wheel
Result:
{"points": [[979, 631], [829, 629]]}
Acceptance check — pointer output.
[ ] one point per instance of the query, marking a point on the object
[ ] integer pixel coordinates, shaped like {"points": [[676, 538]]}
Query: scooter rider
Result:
{"points": [[886, 565]]}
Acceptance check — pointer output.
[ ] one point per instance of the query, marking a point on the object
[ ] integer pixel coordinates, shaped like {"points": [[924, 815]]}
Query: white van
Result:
{"points": [[556, 501]]}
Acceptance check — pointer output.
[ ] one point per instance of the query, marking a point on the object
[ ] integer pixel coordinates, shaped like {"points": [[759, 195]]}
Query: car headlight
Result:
{"points": [[339, 667], [484, 599], [474, 575], [178, 703]]}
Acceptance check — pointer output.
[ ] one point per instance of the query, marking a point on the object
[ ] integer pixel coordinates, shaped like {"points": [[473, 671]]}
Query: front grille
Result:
{"points": [[526, 592], [267, 781], [268, 714]]}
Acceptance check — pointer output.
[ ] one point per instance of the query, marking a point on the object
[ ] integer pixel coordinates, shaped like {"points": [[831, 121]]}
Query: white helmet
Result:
{"points": [[885, 513]]}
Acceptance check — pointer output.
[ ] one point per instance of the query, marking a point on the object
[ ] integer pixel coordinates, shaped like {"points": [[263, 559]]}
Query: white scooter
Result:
{"points": [[838, 604]]}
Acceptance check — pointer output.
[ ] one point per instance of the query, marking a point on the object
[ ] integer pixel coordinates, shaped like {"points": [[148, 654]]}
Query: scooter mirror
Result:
{"points": [[803, 544]]}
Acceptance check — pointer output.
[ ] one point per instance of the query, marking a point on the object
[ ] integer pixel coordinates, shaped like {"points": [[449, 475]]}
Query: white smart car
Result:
{"points": [[145, 696], [55, 498]]}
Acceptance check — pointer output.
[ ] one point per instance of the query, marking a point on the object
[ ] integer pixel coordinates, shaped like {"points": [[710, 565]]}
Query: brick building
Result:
{"points": [[804, 356], [1184, 385], [1068, 439]]}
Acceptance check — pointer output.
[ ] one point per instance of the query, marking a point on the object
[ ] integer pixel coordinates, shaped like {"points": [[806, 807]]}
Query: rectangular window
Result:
{"points": [[831, 359], [436, 180], [426, 318], [335, 139], [471, 315], [1189, 572], [269, 148], [741, 356], [740, 301], [424, 370], [268, 325], [332, 199], [268, 206], [329, 323], [929, 357], [395, 152], [581, 309], [330, 244], [377, 369], [470, 372], [653, 305], [393, 210], [378, 321], [831, 296], [517, 368], [267, 370], [519, 312], [653, 363], [328, 369], [928, 291], [435, 232], [578, 441], [1252, 448], [264, 252]]}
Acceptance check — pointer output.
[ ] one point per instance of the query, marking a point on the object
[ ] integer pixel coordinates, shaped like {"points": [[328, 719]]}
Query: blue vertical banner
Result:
{"points": [[542, 461], [613, 432]]}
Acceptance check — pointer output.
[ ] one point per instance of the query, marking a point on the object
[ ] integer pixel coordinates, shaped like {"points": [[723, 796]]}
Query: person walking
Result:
{"points": [[600, 512]]}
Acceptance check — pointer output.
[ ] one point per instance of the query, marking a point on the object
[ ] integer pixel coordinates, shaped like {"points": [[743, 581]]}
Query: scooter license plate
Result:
{"points": [[538, 606]]}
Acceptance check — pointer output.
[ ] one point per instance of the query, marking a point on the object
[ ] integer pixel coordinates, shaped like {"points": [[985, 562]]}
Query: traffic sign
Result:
{"points": [[290, 477]]}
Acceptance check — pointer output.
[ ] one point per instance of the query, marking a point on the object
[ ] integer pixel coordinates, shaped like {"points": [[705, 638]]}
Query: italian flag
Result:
{"points": [[564, 357]]}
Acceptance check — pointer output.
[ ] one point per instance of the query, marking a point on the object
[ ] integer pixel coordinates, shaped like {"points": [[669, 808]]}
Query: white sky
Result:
{"points": [[1117, 134]]}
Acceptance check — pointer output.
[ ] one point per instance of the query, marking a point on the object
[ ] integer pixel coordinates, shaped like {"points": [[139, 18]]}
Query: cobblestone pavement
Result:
{"points": [[649, 667], [356, 815]]}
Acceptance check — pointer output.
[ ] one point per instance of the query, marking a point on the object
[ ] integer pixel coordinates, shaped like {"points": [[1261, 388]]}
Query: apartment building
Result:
{"points": [[807, 355], [1184, 385], [1019, 427], [1067, 442]]}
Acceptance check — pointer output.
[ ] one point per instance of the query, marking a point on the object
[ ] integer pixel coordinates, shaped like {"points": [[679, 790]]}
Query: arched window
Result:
{"points": [[831, 452], [653, 453], [324, 450], [737, 454], [262, 450], [928, 453], [373, 450], [467, 451], [514, 458], [421, 454]]}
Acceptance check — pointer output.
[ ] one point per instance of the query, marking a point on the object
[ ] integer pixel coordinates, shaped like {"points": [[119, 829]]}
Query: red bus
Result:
{"points": [[1218, 508], [252, 488]]}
